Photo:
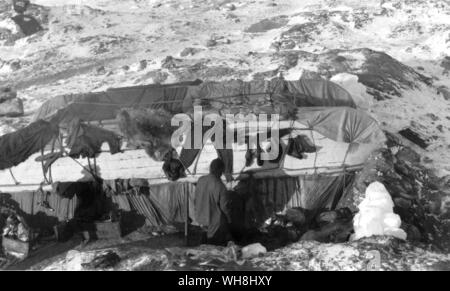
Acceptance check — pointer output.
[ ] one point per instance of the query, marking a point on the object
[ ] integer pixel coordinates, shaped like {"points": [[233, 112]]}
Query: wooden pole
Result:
{"points": [[186, 223]]}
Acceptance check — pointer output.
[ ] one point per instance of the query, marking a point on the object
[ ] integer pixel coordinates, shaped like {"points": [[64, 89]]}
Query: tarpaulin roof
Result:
{"points": [[342, 124], [18, 146], [319, 93], [104, 105], [268, 96], [303, 92]]}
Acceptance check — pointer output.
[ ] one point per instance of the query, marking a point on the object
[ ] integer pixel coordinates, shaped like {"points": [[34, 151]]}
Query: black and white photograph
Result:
{"points": [[225, 140]]}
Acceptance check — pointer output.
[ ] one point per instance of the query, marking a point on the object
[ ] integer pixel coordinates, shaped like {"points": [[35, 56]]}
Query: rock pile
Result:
{"points": [[10, 105], [418, 195], [392, 195], [384, 76]]}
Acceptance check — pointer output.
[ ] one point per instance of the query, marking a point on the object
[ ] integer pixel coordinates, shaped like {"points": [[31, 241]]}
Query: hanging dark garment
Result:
{"points": [[18, 146], [253, 153], [188, 156], [86, 140], [174, 169], [299, 145]]}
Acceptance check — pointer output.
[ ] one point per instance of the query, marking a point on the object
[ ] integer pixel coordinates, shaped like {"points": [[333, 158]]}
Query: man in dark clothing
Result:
{"points": [[212, 205]]}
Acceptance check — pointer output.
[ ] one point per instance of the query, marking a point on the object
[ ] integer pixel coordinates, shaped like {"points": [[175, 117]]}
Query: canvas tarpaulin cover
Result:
{"points": [[28, 205], [86, 140], [342, 124], [309, 93], [105, 105], [264, 197], [159, 204], [18, 146], [166, 203], [274, 96]]}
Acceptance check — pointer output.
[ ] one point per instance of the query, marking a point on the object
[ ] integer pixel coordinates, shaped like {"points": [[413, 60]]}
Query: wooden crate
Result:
{"points": [[15, 247], [108, 230]]}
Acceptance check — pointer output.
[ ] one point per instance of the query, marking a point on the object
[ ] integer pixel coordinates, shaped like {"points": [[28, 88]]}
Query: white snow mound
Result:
{"points": [[376, 216]]}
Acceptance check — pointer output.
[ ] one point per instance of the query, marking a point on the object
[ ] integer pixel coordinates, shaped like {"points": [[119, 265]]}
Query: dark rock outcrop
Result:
{"points": [[268, 24], [417, 193], [11, 108], [384, 76], [10, 105]]}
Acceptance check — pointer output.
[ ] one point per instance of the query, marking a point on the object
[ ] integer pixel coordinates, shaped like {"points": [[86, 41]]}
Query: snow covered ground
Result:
{"points": [[377, 253]]}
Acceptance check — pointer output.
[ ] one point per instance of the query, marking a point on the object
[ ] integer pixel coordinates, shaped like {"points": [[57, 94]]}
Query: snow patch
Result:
{"points": [[358, 91]]}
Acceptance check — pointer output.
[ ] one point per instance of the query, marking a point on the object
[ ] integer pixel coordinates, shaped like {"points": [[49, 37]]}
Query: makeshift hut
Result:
{"points": [[82, 139]]}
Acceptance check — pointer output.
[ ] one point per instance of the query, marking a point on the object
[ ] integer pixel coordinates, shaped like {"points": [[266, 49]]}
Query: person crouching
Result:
{"points": [[212, 205]]}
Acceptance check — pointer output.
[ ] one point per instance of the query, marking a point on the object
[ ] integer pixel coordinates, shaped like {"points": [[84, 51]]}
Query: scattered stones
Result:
{"points": [[427, 160], [126, 68], [412, 187], [12, 108], [169, 62], [253, 250], [290, 61], [268, 24], [230, 7], [383, 76], [402, 202], [100, 70], [143, 65], [335, 232], [15, 65], [287, 45], [412, 232], [306, 74], [445, 92], [189, 51], [211, 42], [432, 116], [445, 63], [6, 93], [408, 154], [160, 77], [231, 16], [103, 261], [10, 105]]}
